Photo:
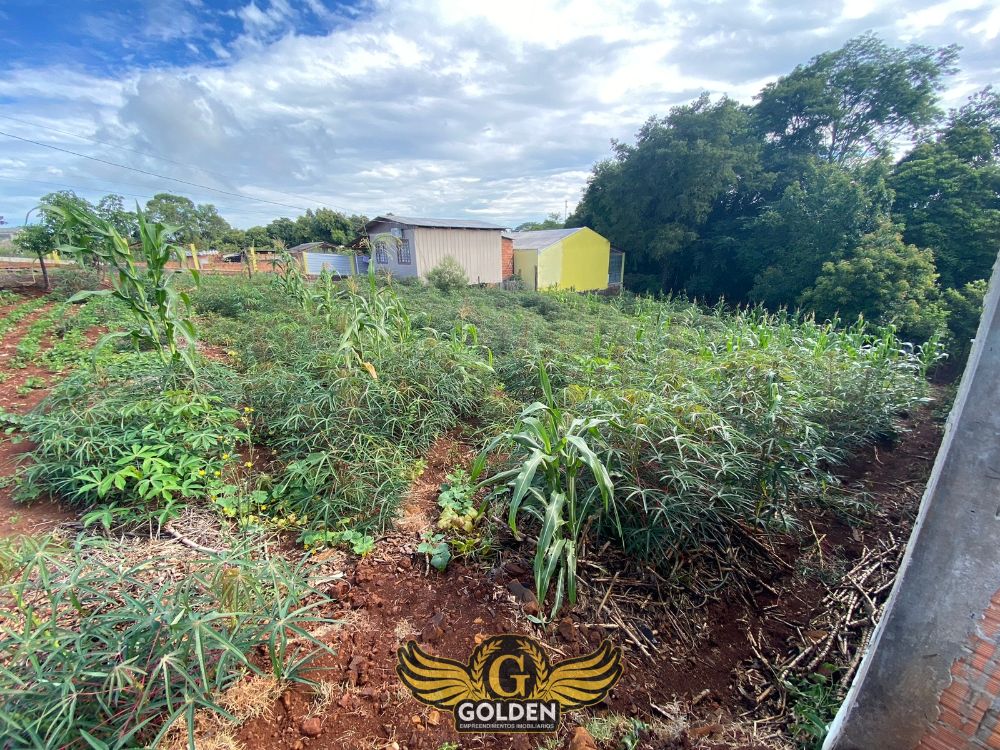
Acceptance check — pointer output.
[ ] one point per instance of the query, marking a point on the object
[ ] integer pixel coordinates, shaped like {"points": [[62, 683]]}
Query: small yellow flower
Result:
{"points": [[201, 472], [218, 473], [248, 464], [225, 456], [215, 497], [248, 409], [263, 507]]}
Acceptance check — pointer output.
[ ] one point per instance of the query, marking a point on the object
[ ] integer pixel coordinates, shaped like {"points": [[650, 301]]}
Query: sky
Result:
{"points": [[488, 109]]}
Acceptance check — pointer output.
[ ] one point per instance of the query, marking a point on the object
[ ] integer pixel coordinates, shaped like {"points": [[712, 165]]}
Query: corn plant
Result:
{"points": [[150, 294], [555, 456], [96, 653], [288, 278]]}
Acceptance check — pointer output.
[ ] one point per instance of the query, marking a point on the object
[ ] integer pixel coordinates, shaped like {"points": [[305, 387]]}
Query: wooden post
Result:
{"points": [[194, 257], [253, 260], [354, 265], [305, 264]]}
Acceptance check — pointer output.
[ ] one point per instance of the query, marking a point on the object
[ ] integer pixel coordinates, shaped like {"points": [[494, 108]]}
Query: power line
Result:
{"points": [[158, 156], [152, 174], [100, 189]]}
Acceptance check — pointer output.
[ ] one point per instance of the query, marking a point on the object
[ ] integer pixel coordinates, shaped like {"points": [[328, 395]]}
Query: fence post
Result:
{"points": [[305, 264], [194, 257], [253, 260]]}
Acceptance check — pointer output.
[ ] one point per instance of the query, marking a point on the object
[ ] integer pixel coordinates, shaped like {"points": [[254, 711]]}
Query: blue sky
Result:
{"points": [[107, 36], [494, 110]]}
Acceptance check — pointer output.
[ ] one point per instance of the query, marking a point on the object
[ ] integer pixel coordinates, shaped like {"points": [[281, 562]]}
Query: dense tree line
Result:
{"points": [[800, 200], [198, 224]]}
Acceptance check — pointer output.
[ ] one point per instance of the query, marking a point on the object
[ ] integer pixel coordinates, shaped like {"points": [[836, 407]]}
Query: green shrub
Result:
{"points": [[97, 653], [68, 281], [448, 276], [126, 447]]}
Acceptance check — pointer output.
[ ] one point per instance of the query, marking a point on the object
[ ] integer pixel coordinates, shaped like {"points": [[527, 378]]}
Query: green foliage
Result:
{"points": [[552, 221], [655, 198], [150, 293], [436, 548], [965, 308], [458, 502], [360, 544], [35, 240], [127, 450], [10, 320], [855, 102], [883, 280], [946, 193], [103, 654], [447, 276], [815, 700], [819, 218], [189, 223], [552, 450]]}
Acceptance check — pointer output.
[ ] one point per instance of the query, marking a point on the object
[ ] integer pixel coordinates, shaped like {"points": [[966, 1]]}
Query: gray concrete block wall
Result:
{"points": [[931, 677]]}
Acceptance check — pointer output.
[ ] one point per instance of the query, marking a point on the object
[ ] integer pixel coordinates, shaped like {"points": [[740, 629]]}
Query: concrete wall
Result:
{"points": [[931, 677]]}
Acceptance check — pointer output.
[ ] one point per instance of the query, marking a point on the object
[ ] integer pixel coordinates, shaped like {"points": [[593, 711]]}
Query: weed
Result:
{"points": [[814, 702], [101, 654], [435, 549]]}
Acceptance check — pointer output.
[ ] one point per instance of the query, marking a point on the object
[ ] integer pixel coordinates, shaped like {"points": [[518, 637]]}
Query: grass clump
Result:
{"points": [[104, 653]]}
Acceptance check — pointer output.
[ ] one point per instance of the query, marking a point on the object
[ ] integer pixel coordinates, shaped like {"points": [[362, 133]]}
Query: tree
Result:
{"points": [[948, 193], [112, 209], [965, 307], [654, 199], [198, 224], [38, 240], [818, 218], [552, 221], [883, 279], [854, 103]]}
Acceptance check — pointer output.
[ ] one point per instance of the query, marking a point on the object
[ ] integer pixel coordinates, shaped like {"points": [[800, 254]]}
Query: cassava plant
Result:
{"points": [[560, 480], [159, 308]]}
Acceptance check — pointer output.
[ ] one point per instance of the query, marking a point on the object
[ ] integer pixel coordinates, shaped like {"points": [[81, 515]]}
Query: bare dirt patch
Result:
{"points": [[686, 672]]}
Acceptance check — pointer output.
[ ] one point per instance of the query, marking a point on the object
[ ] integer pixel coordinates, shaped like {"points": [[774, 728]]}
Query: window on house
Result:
{"points": [[396, 232], [403, 254], [381, 254]]}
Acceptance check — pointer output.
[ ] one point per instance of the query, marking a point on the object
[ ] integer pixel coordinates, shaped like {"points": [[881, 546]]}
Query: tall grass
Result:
{"points": [[100, 653]]}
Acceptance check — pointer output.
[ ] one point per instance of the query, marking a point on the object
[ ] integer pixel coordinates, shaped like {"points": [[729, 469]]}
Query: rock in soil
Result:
{"points": [[312, 727], [525, 597], [582, 740]]}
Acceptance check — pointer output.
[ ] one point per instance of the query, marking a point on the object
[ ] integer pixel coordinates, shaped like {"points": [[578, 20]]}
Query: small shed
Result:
{"points": [[576, 258], [315, 257], [418, 245]]}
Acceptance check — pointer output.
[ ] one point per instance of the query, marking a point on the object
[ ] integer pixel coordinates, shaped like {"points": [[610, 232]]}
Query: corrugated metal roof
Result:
{"points": [[437, 223], [310, 246], [541, 238]]}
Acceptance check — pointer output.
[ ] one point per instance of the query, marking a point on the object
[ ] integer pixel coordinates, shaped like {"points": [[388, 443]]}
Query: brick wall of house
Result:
{"points": [[969, 708], [506, 257]]}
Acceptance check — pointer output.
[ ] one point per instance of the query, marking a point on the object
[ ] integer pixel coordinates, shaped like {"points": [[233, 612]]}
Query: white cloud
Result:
{"points": [[444, 108]]}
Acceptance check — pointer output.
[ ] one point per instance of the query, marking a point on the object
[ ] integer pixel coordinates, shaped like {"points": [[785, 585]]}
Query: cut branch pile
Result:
{"points": [[838, 636]]}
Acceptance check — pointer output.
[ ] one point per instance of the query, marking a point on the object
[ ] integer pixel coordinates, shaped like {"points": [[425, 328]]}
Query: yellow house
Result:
{"points": [[562, 259]]}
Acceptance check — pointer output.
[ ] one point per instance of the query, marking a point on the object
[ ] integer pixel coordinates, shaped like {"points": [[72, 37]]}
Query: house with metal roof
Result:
{"points": [[411, 246], [577, 258]]}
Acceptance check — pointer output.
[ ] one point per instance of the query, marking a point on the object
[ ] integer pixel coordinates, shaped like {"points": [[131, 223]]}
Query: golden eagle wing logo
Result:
{"points": [[584, 680], [435, 680]]}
